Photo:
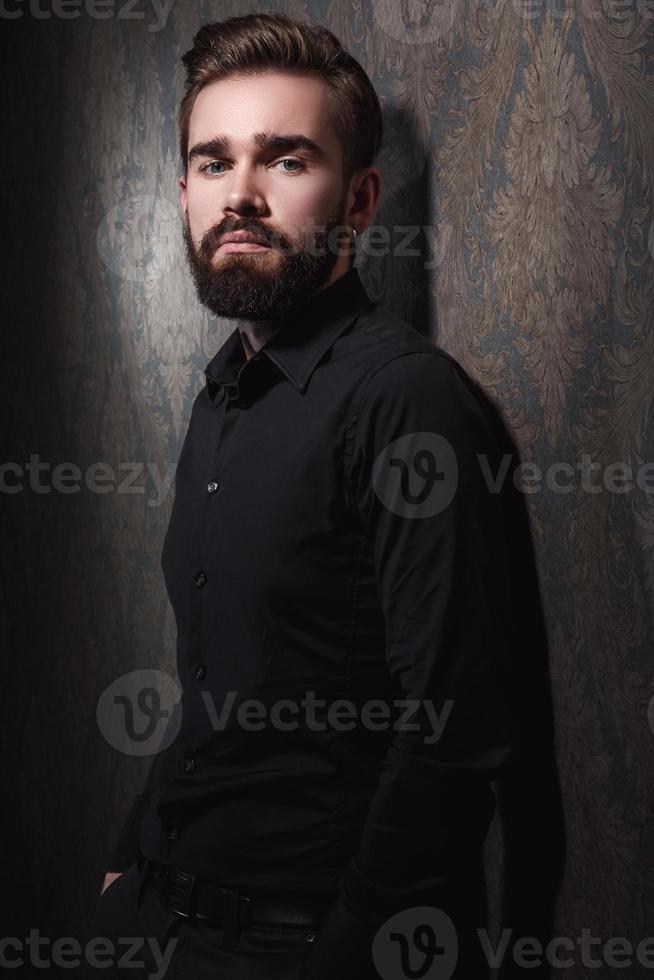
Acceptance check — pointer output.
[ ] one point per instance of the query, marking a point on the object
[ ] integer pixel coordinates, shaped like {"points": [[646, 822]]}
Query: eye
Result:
{"points": [[212, 163], [206, 167], [298, 164]]}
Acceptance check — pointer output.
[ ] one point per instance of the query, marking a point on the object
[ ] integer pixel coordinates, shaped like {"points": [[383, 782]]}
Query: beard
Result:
{"points": [[248, 285]]}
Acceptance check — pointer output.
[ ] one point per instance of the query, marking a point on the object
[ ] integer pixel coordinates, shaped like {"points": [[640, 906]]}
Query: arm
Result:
{"points": [[443, 588], [124, 850]]}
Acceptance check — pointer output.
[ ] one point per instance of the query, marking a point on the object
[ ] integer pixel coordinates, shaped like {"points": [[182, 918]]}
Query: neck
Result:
{"points": [[255, 333]]}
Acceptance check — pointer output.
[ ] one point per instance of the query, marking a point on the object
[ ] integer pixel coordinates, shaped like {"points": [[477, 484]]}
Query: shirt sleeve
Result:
{"points": [[420, 451]]}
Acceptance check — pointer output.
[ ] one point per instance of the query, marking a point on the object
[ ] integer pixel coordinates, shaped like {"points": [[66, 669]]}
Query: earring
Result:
{"points": [[354, 234]]}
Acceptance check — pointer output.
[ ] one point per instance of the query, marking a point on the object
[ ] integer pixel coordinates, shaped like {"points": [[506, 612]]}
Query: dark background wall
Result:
{"points": [[520, 143]]}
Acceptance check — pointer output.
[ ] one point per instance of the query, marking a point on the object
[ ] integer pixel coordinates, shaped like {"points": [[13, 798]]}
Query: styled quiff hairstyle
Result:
{"points": [[256, 42]]}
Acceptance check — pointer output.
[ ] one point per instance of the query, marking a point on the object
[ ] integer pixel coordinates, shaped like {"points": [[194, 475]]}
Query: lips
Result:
{"points": [[241, 238], [243, 248]]}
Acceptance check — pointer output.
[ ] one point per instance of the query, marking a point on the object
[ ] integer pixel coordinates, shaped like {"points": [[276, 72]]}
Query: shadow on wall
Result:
{"points": [[530, 806], [530, 811]]}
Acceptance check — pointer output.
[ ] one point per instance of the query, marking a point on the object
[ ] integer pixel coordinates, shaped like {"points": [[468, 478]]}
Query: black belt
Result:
{"points": [[193, 898]]}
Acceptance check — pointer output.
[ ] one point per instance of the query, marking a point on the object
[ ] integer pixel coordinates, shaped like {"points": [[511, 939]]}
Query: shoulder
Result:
{"points": [[403, 367]]}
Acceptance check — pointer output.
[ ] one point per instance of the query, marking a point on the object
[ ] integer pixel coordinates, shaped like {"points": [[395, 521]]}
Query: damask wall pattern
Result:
{"points": [[518, 168]]}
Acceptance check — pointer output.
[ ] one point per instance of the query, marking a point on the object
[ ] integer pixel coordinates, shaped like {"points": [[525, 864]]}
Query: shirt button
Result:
{"points": [[200, 579], [212, 487], [189, 765], [173, 834], [311, 937], [200, 672]]}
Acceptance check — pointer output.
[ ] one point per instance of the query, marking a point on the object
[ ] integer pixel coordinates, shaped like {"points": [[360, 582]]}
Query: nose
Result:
{"points": [[244, 193]]}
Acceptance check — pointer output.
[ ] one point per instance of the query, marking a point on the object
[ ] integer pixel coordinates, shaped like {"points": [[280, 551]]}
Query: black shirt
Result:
{"points": [[333, 539]]}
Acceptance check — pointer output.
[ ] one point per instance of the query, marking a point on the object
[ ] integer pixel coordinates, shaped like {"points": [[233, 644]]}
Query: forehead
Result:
{"points": [[269, 101]]}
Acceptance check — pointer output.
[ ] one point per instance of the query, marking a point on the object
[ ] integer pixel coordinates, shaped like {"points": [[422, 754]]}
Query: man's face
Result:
{"points": [[290, 196]]}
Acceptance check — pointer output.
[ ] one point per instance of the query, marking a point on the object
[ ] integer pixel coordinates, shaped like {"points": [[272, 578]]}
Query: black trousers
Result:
{"points": [[133, 935]]}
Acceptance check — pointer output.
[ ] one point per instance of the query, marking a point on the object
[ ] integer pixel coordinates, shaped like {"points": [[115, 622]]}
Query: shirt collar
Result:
{"points": [[302, 341]]}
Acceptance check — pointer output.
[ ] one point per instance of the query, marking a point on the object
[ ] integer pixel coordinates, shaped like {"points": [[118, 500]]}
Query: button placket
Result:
{"points": [[201, 575]]}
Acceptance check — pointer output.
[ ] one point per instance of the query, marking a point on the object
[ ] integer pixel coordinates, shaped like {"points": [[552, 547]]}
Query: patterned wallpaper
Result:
{"points": [[519, 199]]}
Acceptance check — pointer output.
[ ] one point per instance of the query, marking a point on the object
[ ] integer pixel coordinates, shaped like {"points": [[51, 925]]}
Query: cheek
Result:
{"points": [[301, 210], [204, 208]]}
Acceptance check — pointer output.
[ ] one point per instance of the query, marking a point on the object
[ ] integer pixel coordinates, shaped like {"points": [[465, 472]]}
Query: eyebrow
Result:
{"points": [[280, 142]]}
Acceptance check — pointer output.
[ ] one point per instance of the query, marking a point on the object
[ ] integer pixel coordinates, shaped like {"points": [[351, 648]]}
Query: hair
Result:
{"points": [[242, 46]]}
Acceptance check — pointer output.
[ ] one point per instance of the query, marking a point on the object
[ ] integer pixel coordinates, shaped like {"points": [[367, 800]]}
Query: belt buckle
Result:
{"points": [[178, 892]]}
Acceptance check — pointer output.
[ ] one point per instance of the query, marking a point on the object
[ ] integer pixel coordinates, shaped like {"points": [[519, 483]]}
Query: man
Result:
{"points": [[334, 559]]}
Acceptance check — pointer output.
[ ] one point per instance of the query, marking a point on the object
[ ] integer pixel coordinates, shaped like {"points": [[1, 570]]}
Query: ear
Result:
{"points": [[367, 187], [182, 187]]}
